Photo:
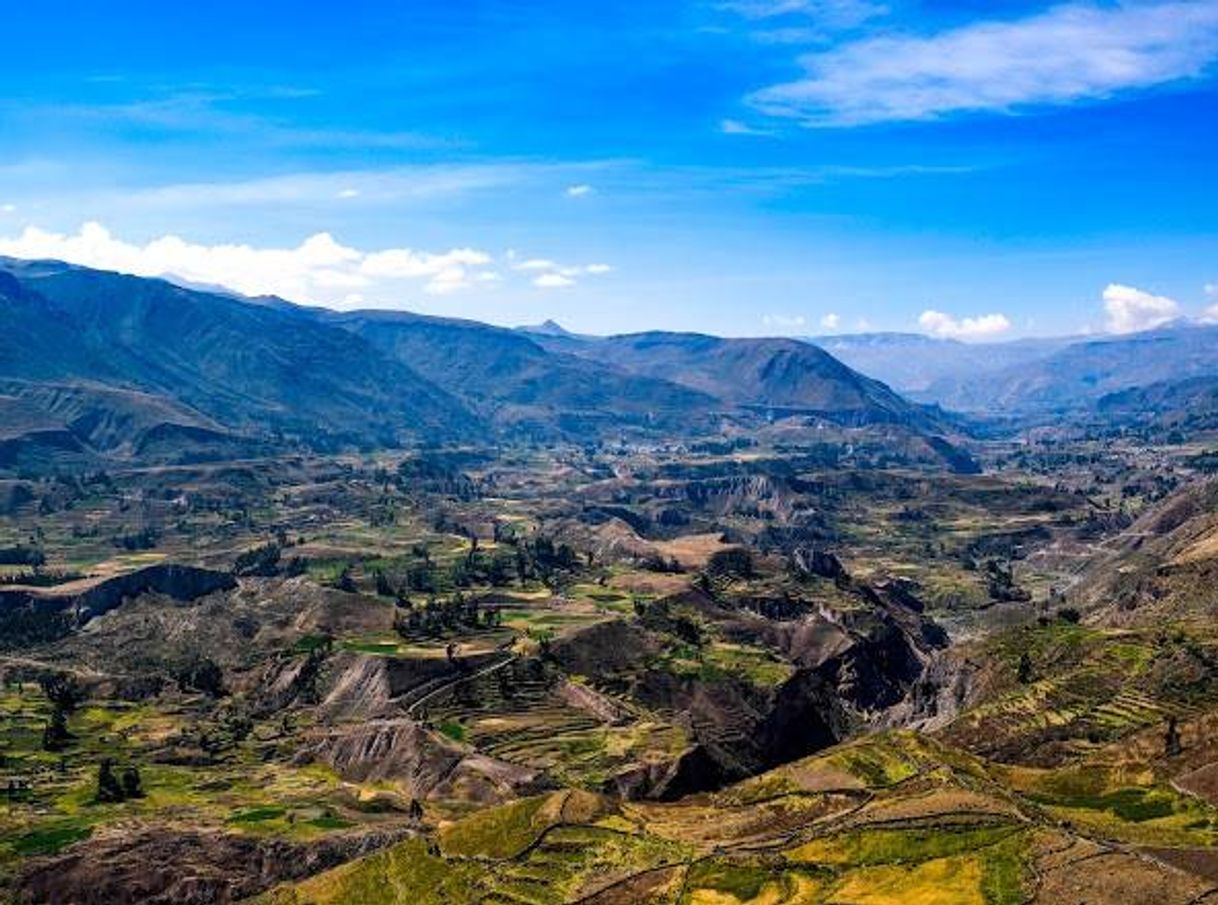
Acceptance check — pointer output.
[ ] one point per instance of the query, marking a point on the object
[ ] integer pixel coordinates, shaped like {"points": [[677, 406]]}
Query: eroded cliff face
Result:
{"points": [[39, 616], [89, 598], [877, 662], [179, 582]]}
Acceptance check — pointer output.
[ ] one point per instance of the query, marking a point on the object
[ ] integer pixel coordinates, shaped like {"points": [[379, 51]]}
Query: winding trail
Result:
{"points": [[456, 680]]}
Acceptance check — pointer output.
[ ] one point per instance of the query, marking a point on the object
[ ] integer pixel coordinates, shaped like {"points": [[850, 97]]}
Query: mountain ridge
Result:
{"points": [[267, 370]]}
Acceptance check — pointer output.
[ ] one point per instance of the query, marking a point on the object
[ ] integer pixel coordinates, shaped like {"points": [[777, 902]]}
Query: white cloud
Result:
{"points": [[553, 281], [535, 264], [8, 208], [1130, 310], [404, 264], [580, 191], [785, 322], [553, 275], [450, 279], [736, 127], [831, 321], [936, 323], [1073, 52], [318, 270]]}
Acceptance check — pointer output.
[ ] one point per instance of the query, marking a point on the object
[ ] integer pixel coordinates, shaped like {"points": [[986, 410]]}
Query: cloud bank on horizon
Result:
{"points": [[944, 326], [1131, 310], [319, 270]]}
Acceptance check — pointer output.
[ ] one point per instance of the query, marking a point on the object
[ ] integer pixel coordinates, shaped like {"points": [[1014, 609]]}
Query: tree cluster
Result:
{"points": [[734, 562], [21, 555], [267, 561], [437, 618], [112, 788], [202, 674], [518, 561], [134, 541]]}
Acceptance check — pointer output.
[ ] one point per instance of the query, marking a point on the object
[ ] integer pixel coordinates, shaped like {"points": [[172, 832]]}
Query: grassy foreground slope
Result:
{"points": [[895, 818]]}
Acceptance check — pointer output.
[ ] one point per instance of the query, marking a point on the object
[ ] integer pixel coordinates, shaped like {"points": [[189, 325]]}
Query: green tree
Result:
{"points": [[62, 690], [345, 580], [132, 785], [1025, 668], [55, 736], [109, 789]]}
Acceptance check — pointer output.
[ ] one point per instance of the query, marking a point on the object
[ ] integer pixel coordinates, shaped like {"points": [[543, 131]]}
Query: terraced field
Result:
{"points": [[1085, 687], [893, 819], [599, 676]]}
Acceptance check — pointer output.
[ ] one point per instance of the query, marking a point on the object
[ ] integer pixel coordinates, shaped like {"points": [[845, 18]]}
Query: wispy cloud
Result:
{"points": [[736, 127], [945, 326], [535, 264], [553, 281], [832, 13], [224, 114], [1130, 309], [385, 186], [831, 321], [808, 22], [784, 322], [66, 194], [552, 275], [580, 191], [688, 181], [319, 270], [1071, 53]]}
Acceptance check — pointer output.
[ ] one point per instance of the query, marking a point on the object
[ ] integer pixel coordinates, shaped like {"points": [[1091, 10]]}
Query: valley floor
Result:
{"points": [[611, 676]]}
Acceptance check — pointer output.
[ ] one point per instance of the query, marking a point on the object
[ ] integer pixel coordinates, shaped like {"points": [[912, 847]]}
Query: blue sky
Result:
{"points": [[969, 169]]}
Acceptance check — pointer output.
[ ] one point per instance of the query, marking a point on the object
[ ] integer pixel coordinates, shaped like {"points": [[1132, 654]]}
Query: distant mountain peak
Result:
{"points": [[549, 327]]}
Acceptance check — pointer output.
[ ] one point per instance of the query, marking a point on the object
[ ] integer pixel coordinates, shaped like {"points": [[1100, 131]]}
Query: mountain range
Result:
{"points": [[98, 363], [1032, 376], [1078, 375], [783, 375], [916, 364]]}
